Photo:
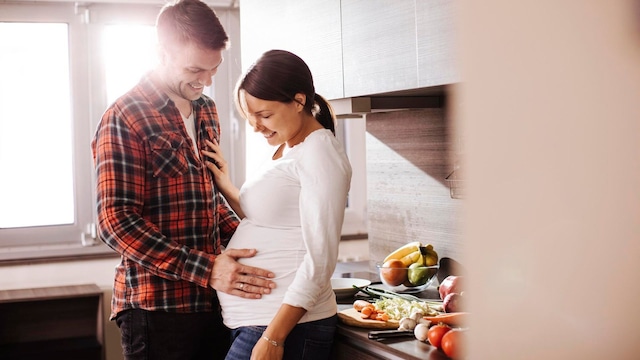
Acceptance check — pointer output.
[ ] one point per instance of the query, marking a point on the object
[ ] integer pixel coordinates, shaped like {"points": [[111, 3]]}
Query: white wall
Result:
{"points": [[549, 110], [99, 272]]}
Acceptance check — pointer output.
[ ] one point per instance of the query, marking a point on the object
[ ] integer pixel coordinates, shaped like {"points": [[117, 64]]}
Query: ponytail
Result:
{"points": [[323, 112]]}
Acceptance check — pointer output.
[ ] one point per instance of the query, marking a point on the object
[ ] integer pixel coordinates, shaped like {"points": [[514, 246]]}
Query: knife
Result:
{"points": [[386, 334]]}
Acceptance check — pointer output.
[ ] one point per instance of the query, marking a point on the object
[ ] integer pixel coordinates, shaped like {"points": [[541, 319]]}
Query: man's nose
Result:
{"points": [[206, 78]]}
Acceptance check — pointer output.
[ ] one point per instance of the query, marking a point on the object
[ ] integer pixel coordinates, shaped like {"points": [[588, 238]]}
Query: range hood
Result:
{"points": [[424, 98], [358, 106]]}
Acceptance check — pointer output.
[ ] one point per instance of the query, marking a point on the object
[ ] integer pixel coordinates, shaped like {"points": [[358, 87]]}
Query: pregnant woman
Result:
{"points": [[292, 213]]}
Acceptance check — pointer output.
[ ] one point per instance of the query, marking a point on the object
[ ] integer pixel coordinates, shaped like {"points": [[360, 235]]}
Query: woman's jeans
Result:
{"points": [[157, 335], [307, 341]]}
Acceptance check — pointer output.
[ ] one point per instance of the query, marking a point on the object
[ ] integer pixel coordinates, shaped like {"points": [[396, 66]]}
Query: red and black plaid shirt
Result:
{"points": [[157, 203]]}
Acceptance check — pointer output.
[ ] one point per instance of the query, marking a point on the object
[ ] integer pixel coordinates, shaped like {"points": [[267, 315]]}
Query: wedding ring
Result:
{"points": [[241, 286]]}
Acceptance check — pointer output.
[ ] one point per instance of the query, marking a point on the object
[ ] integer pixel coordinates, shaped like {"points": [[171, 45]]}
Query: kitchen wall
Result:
{"points": [[409, 155]]}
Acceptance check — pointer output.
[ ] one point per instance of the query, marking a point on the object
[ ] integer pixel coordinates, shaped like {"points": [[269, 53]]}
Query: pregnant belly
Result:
{"points": [[280, 250]]}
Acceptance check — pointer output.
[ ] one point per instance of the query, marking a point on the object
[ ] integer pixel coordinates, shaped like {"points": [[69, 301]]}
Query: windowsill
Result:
{"points": [[43, 254]]}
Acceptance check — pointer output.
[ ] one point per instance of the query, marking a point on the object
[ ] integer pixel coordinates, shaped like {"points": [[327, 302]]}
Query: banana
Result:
{"points": [[403, 251], [411, 258], [429, 258], [430, 255]]}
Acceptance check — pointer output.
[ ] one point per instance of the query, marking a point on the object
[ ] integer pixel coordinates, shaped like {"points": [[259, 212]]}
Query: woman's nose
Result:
{"points": [[257, 126]]}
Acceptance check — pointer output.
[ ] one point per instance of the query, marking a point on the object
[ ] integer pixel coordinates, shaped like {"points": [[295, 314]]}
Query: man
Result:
{"points": [[158, 205]]}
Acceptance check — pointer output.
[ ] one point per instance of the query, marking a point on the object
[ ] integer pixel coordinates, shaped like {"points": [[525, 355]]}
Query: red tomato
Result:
{"points": [[435, 334], [453, 343]]}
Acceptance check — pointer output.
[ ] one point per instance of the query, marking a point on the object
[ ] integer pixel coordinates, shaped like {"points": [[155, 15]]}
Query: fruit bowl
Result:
{"points": [[415, 278]]}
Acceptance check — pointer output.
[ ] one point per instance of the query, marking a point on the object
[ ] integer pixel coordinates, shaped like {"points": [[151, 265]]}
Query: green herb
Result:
{"points": [[378, 293]]}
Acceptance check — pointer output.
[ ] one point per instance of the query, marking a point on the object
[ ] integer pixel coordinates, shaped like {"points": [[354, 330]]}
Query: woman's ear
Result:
{"points": [[301, 100]]}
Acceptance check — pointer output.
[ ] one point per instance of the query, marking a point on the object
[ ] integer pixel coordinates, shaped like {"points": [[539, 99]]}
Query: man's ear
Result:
{"points": [[301, 99], [161, 53]]}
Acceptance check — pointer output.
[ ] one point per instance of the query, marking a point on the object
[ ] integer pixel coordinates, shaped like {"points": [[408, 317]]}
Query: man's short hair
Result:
{"points": [[190, 21]]}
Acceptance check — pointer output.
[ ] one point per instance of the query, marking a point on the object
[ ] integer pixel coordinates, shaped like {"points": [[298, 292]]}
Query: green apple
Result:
{"points": [[418, 274]]}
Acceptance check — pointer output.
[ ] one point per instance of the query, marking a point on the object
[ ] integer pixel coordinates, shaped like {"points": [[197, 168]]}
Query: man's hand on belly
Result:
{"points": [[231, 277]]}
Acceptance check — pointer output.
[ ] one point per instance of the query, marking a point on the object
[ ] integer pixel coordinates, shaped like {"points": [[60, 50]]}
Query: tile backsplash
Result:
{"points": [[409, 155]]}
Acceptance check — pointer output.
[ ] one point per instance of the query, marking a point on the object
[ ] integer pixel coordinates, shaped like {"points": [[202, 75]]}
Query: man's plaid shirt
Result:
{"points": [[157, 203]]}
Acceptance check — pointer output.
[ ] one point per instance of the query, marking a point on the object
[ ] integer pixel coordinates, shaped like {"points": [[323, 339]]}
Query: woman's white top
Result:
{"points": [[294, 211]]}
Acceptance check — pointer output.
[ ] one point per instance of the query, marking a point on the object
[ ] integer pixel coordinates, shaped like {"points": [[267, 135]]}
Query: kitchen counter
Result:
{"points": [[352, 343]]}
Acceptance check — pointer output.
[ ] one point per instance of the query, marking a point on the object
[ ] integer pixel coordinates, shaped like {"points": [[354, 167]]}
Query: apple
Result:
{"points": [[450, 284], [418, 274], [393, 272], [453, 302]]}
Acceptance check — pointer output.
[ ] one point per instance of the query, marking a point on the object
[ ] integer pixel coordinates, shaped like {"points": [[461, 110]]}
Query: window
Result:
{"points": [[61, 64], [123, 72], [352, 133], [35, 134], [43, 112]]}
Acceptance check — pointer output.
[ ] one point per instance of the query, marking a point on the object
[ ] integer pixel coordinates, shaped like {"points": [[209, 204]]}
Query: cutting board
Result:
{"points": [[352, 317]]}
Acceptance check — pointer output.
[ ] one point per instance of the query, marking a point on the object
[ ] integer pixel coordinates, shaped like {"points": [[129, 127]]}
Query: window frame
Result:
{"points": [[353, 135], [89, 99], [19, 243]]}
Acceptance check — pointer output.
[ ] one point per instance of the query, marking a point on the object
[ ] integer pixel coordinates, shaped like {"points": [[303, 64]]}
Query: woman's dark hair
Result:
{"points": [[190, 21], [279, 75]]}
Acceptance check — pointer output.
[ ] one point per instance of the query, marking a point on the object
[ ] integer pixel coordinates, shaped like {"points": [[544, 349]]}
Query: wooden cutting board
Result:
{"points": [[352, 317]]}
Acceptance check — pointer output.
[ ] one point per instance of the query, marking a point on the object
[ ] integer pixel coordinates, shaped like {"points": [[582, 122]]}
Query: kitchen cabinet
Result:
{"points": [[379, 46], [308, 28], [52, 323], [393, 46], [357, 47], [435, 29], [435, 41]]}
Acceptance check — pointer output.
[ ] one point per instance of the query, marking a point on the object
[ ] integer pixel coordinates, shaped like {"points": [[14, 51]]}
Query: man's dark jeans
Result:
{"points": [[156, 335]]}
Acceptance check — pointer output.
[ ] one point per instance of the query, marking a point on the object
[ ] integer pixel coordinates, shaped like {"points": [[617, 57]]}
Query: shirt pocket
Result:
{"points": [[168, 159]]}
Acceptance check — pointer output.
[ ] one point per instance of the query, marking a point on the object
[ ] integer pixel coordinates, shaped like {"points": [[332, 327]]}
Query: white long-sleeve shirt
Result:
{"points": [[294, 211]]}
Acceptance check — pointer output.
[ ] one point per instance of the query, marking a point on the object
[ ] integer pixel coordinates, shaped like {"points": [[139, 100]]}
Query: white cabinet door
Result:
{"points": [[309, 28], [435, 25], [379, 46], [357, 47]]}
